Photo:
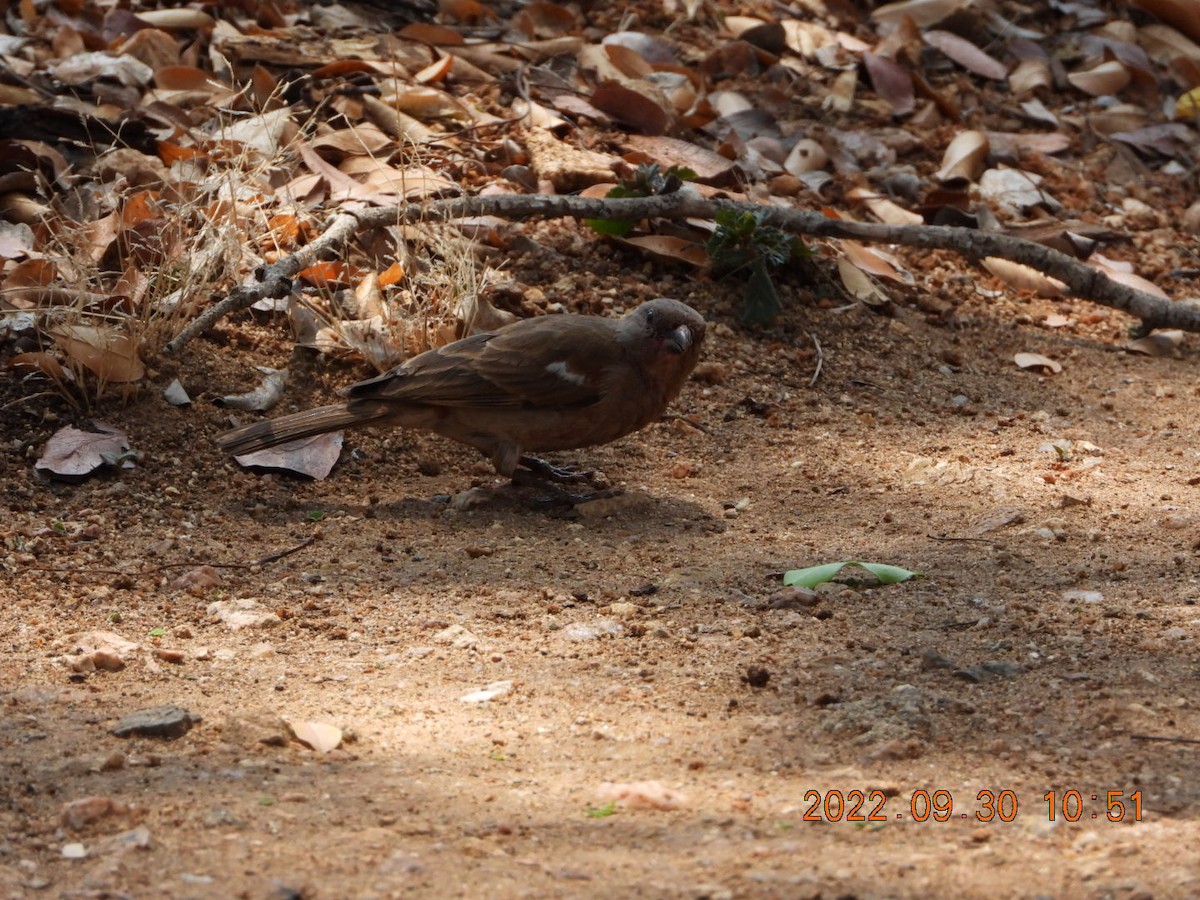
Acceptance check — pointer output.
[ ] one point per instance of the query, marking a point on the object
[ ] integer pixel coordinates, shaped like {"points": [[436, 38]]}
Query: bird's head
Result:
{"points": [[665, 336]]}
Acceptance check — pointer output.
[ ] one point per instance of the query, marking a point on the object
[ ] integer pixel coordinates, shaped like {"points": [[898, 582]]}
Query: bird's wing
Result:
{"points": [[550, 362]]}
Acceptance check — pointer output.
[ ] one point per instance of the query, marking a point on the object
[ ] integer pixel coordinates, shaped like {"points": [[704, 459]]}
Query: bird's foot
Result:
{"points": [[556, 496], [548, 472]]}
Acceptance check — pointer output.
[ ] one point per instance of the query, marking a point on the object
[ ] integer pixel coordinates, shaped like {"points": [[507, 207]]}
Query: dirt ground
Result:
{"points": [[1049, 648]]}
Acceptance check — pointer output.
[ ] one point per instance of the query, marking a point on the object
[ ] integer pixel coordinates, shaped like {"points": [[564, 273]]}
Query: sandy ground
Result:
{"points": [[755, 745]]}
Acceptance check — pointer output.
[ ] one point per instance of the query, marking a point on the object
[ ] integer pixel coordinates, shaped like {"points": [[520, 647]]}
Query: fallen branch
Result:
{"points": [[1081, 280], [274, 281]]}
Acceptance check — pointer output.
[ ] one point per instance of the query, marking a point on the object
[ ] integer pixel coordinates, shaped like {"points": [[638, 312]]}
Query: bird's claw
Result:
{"points": [[548, 472], [553, 495]]}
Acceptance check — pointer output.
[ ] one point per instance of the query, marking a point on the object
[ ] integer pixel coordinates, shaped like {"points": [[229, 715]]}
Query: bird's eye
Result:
{"points": [[651, 317]]}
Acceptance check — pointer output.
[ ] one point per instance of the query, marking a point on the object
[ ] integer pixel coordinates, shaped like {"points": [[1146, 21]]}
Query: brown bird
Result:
{"points": [[549, 383]]}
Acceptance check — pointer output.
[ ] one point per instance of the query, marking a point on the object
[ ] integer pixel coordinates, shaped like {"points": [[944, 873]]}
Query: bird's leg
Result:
{"points": [[545, 471]]}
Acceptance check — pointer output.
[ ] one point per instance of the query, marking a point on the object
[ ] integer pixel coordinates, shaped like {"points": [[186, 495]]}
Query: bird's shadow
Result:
{"points": [[480, 506]]}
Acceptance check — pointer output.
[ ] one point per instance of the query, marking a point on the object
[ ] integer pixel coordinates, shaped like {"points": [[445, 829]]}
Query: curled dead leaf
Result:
{"points": [[965, 157], [884, 209], [1103, 80], [860, 285], [1024, 278], [263, 397], [317, 735], [1160, 343], [41, 361], [1037, 361]]}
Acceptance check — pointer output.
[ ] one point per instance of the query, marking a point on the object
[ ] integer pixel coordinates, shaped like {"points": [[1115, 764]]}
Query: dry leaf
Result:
{"points": [[1024, 278], [16, 240], [860, 285], [1037, 361], [922, 12], [630, 106], [178, 19], [1183, 14], [1127, 278], [41, 361], [1015, 191], [891, 81], [110, 355], [651, 48], [876, 262], [966, 54], [1058, 320], [965, 157], [73, 454], [710, 167], [1160, 343], [317, 735], [263, 397], [313, 457], [1030, 75], [672, 249], [883, 208], [1103, 80]]}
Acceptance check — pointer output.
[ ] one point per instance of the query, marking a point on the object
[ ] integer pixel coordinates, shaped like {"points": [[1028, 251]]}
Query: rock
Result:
{"points": [[78, 814], [642, 795], [472, 499], [623, 610], [198, 580], [793, 598], [581, 631], [102, 651], [256, 727], [457, 636], [491, 692], [244, 612], [167, 722], [74, 851], [133, 839]]}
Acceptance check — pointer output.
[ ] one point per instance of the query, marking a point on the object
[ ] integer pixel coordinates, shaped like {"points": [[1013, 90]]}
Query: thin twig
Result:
{"points": [[274, 557], [946, 537], [1163, 739], [154, 570], [816, 375]]}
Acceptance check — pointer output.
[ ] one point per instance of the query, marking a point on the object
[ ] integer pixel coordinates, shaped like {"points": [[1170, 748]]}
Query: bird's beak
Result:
{"points": [[679, 340]]}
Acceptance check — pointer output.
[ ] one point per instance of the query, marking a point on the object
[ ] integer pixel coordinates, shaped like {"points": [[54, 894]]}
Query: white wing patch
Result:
{"points": [[563, 371]]}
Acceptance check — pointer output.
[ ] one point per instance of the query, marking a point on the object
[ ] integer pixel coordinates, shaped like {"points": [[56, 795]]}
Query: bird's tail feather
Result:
{"points": [[311, 422]]}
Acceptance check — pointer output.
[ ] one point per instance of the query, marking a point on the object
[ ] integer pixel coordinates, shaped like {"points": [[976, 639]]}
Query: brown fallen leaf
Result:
{"points": [[1024, 278], [891, 81], [966, 54], [110, 355], [635, 108], [312, 457], [72, 454]]}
